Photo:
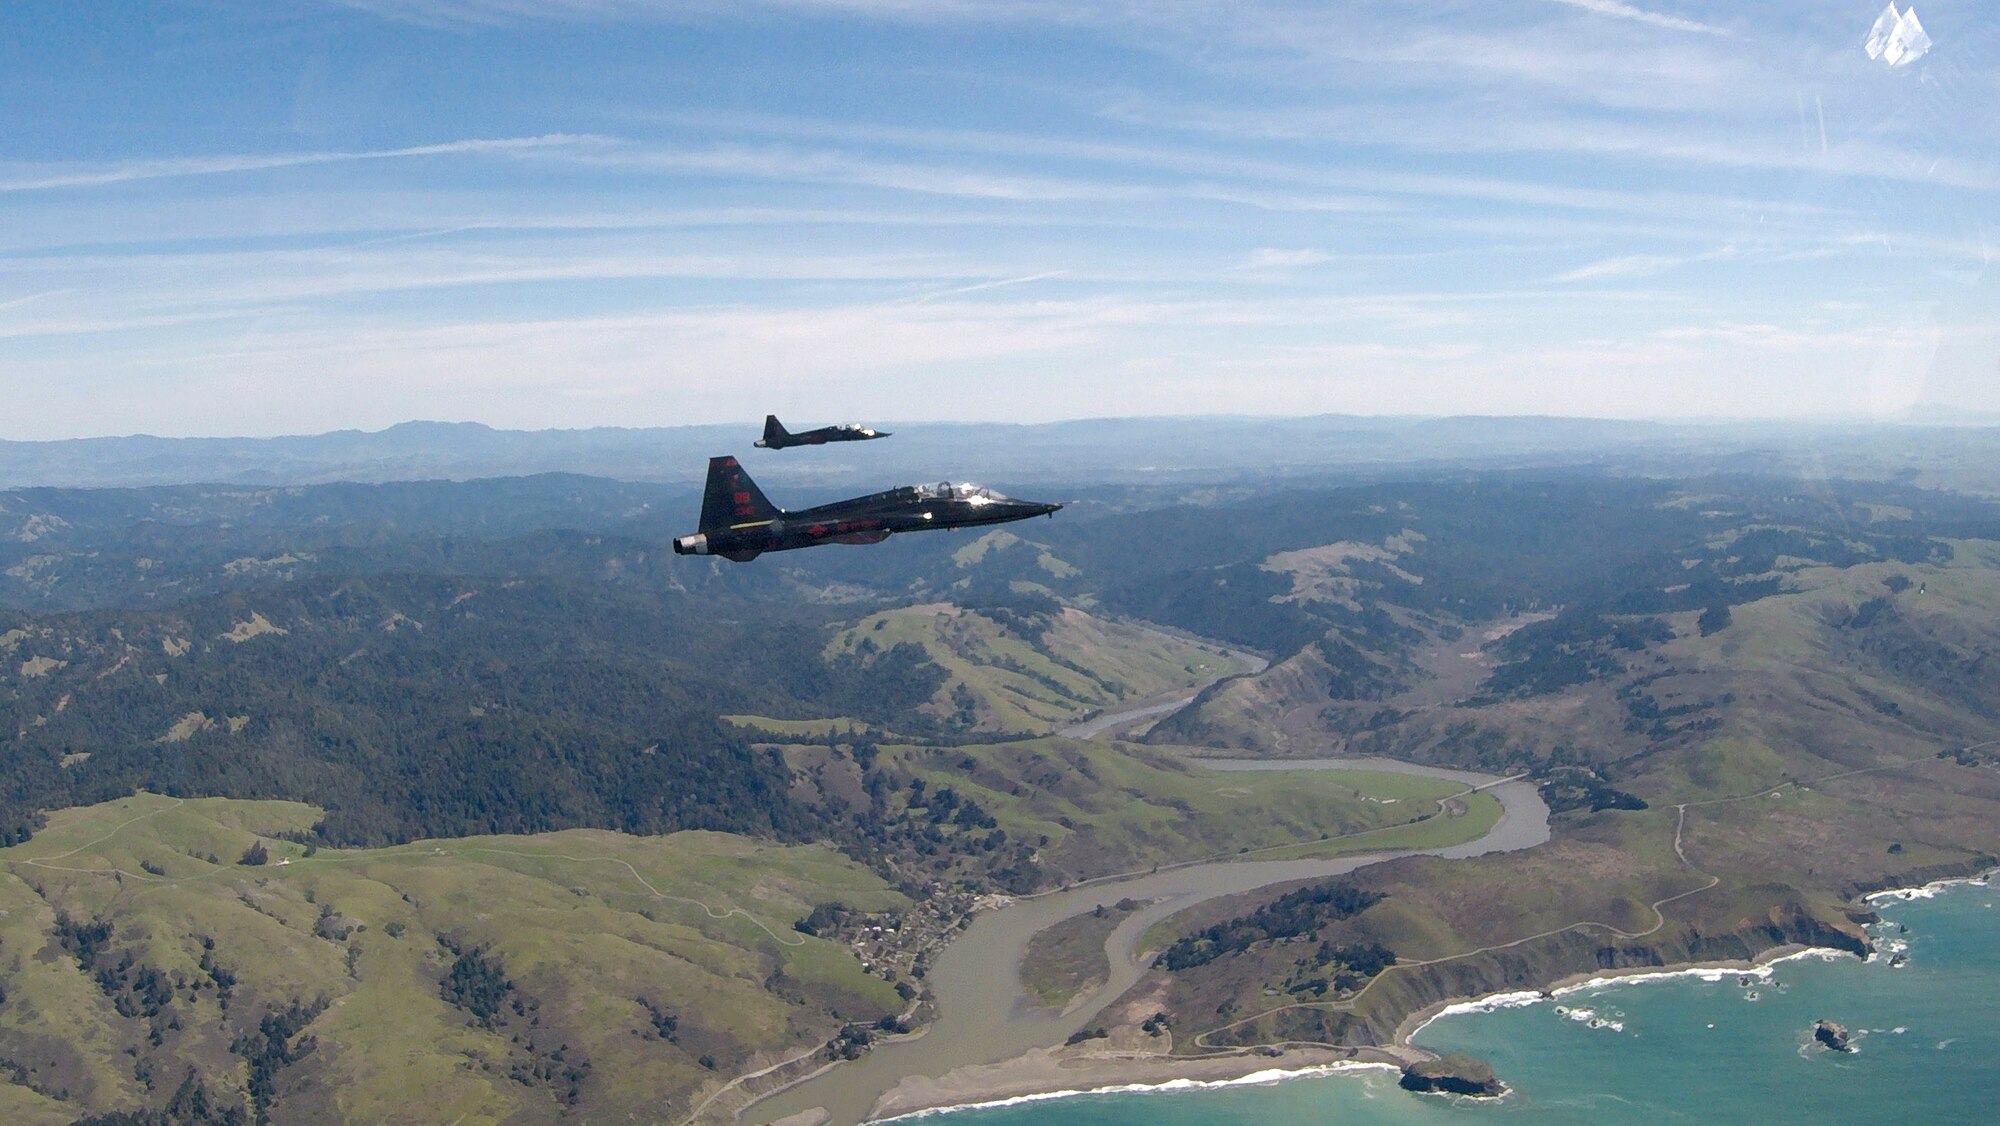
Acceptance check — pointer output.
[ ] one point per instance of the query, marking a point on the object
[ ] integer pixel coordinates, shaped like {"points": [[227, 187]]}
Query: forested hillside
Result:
{"points": [[1468, 638], [432, 706], [523, 657]]}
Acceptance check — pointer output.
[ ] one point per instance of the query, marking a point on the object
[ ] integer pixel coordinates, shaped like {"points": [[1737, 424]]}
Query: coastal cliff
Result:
{"points": [[1918, 877], [1396, 1000], [1603, 897]]}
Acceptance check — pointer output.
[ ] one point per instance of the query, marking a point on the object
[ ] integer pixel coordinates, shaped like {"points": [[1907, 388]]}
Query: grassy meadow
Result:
{"points": [[620, 974], [1002, 678], [1117, 807]]}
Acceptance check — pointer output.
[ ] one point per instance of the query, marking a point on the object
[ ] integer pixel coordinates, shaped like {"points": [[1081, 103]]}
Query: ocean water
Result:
{"points": [[1684, 1048]]}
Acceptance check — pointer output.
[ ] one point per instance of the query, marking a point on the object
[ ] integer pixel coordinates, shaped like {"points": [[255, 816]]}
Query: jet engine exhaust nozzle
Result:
{"points": [[696, 544]]}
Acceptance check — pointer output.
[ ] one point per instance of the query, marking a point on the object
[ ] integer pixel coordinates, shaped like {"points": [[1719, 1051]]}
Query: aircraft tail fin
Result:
{"points": [[732, 498], [774, 431]]}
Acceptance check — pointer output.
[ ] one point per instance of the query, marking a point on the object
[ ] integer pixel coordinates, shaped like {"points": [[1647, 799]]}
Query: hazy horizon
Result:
{"points": [[1923, 414]]}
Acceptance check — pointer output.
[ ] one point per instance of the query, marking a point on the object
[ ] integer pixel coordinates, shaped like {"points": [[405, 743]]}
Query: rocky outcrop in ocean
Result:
{"points": [[1832, 1035], [1455, 1074]]}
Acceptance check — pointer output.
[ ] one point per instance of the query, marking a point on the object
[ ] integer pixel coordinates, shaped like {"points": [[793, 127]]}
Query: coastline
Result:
{"points": [[1759, 966], [1931, 889], [1053, 1073]]}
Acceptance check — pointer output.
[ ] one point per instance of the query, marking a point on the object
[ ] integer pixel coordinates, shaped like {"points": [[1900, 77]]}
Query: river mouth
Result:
{"points": [[986, 1014]]}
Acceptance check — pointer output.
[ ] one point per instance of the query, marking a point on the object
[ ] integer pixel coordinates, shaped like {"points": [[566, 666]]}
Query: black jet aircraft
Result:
{"points": [[776, 437], [738, 523]]}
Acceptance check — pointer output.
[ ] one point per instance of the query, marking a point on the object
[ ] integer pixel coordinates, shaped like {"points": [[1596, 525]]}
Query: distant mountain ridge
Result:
{"points": [[1105, 449], [1923, 449], [1089, 448], [404, 452]]}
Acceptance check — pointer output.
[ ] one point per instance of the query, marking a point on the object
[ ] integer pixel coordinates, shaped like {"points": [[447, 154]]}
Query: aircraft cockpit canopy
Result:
{"points": [[971, 494]]}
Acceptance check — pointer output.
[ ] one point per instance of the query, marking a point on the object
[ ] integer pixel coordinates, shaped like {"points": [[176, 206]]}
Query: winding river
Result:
{"points": [[985, 1013]]}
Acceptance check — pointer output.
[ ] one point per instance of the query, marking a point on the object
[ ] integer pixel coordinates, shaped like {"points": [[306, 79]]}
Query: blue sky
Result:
{"points": [[293, 215]]}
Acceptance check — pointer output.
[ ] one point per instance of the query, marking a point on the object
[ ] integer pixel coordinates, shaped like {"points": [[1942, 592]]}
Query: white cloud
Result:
{"points": [[43, 179], [27, 299], [1638, 265], [978, 287], [491, 13], [1391, 353], [112, 290], [1520, 200], [1628, 12], [1273, 258]]}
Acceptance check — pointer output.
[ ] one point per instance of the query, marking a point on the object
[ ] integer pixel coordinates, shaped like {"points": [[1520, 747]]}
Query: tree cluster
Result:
{"points": [[1294, 914]]}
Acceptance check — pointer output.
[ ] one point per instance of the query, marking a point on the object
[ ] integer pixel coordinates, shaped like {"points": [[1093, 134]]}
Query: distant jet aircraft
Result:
{"points": [[738, 523], [776, 437]]}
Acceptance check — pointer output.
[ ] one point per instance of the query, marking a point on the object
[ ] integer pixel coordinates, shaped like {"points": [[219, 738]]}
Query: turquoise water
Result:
{"points": [[1680, 1049]]}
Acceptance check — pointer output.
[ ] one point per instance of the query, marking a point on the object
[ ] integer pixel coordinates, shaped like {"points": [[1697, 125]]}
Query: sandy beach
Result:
{"points": [[1056, 1072]]}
